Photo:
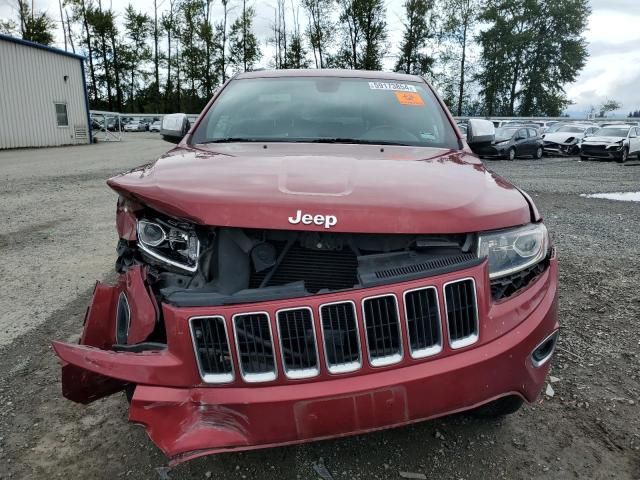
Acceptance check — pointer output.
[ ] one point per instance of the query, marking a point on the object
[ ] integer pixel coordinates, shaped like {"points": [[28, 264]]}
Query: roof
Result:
{"points": [[331, 72], [27, 43]]}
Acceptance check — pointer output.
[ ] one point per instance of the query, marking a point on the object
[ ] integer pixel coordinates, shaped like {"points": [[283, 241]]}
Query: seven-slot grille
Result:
{"points": [[298, 343], [211, 345], [255, 346], [384, 341], [423, 322], [340, 334], [462, 312]]}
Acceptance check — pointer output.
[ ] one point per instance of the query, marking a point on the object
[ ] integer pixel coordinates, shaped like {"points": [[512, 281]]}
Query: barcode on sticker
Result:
{"points": [[398, 87]]}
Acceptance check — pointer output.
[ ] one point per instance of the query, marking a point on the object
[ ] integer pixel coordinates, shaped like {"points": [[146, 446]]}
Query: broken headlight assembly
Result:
{"points": [[170, 242], [616, 146], [510, 251]]}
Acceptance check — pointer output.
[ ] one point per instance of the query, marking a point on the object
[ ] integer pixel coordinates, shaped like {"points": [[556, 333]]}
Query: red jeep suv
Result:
{"points": [[321, 255]]}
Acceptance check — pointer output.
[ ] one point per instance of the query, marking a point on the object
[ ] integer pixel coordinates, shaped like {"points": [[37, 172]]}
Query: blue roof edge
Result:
{"points": [[28, 43]]}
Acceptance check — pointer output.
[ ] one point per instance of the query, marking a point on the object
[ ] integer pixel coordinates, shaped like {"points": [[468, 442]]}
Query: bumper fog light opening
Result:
{"points": [[123, 320], [544, 351]]}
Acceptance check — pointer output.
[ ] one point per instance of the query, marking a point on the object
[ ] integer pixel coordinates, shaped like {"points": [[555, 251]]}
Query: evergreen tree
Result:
{"points": [[138, 29], [531, 49], [418, 30], [319, 28], [244, 52], [35, 26], [364, 34], [460, 18]]}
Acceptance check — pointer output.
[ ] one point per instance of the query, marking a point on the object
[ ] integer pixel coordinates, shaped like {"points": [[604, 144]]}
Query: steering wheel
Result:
{"points": [[390, 133]]}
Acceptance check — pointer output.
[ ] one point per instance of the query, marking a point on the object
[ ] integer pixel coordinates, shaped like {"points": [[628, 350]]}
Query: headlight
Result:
{"points": [[616, 146], [170, 241], [513, 250]]}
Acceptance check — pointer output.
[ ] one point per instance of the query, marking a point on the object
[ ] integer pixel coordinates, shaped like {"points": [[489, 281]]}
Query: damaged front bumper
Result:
{"points": [[560, 149], [187, 418]]}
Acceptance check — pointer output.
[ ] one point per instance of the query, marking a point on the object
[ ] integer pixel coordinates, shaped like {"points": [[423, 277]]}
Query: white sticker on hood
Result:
{"points": [[397, 87]]}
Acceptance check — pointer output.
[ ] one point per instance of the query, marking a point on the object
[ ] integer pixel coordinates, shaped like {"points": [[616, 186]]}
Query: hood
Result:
{"points": [[561, 137], [596, 139], [366, 188]]}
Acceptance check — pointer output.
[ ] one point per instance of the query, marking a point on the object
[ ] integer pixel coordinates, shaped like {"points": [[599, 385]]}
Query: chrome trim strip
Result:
{"points": [[255, 377], [157, 256], [212, 377], [388, 359], [299, 373], [471, 339], [430, 351], [539, 363], [346, 367]]}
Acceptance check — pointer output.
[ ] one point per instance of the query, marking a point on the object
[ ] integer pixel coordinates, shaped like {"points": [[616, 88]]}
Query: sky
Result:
{"points": [[612, 70]]}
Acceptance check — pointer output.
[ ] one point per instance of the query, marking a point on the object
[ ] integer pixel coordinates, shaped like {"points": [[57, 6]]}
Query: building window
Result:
{"points": [[61, 115]]}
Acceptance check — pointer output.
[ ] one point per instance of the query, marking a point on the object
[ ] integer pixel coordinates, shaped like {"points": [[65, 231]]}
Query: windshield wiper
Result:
{"points": [[233, 140], [356, 141]]}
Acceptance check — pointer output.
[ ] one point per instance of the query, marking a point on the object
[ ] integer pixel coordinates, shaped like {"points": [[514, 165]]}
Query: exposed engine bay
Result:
{"points": [[191, 265]]}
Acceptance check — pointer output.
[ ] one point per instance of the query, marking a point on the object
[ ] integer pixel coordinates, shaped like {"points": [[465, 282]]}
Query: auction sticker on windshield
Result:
{"points": [[398, 87], [409, 98]]}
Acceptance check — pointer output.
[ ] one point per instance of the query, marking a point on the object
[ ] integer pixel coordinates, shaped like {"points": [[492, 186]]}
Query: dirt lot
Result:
{"points": [[58, 237]]}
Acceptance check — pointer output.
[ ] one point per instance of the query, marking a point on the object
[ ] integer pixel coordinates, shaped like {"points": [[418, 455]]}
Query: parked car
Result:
{"points": [[136, 126], [566, 140], [617, 142], [114, 124], [321, 256], [512, 142], [155, 126]]}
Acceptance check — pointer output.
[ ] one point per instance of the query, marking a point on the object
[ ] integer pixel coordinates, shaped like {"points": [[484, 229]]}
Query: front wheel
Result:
{"points": [[511, 154], [499, 408], [623, 158], [539, 152], [584, 158]]}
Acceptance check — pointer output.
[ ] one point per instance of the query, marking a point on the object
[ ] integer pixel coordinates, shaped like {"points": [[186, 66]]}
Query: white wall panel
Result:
{"points": [[32, 80]]}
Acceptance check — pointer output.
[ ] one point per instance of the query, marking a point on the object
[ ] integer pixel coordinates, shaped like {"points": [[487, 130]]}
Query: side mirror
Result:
{"points": [[480, 131], [174, 127]]}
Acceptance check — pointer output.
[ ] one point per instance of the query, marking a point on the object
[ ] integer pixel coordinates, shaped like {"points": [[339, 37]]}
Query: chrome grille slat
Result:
{"points": [[341, 336], [211, 347], [382, 326], [424, 330], [298, 347], [462, 312], [254, 343]]}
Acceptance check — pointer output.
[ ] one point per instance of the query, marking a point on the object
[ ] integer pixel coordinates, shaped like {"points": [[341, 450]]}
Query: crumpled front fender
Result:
{"points": [[87, 367]]}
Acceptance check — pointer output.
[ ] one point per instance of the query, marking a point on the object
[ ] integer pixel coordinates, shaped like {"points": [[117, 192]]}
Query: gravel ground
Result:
{"points": [[59, 236]]}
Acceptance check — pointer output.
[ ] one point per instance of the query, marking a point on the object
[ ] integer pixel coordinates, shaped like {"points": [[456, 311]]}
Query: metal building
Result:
{"points": [[43, 96]]}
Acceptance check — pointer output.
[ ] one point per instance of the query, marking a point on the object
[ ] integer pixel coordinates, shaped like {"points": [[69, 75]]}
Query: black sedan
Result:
{"points": [[512, 142]]}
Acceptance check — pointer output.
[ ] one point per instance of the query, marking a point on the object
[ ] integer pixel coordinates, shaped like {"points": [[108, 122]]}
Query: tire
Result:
{"points": [[538, 154], [498, 408], [583, 158], [625, 155], [511, 154]]}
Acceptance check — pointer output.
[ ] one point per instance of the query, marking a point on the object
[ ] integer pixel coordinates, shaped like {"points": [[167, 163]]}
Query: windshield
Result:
{"points": [[613, 132], [505, 133], [327, 109], [570, 129]]}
